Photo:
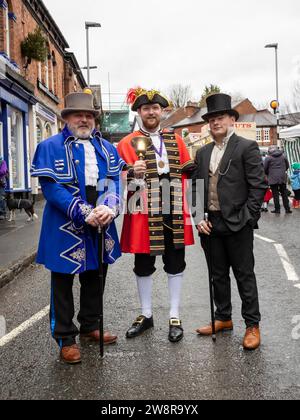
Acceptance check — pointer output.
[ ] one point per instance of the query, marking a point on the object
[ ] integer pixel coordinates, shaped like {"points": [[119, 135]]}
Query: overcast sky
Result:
{"points": [[157, 43]]}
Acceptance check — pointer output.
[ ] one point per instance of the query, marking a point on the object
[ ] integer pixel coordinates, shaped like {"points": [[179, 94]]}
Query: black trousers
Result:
{"points": [[174, 259], [232, 250], [277, 190], [62, 311]]}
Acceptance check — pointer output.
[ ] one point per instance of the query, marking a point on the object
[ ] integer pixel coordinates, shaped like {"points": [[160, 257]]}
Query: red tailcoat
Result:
{"points": [[135, 237]]}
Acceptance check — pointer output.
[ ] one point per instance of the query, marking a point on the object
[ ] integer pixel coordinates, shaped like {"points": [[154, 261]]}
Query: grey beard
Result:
{"points": [[81, 136], [84, 137]]}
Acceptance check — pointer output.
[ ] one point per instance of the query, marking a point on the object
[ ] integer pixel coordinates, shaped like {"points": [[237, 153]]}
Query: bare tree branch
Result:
{"points": [[180, 95]]}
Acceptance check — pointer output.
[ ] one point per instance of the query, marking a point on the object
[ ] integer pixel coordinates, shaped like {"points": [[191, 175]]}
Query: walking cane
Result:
{"points": [[101, 281], [211, 284]]}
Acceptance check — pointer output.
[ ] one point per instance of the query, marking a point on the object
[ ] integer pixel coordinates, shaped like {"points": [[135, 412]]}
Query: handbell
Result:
{"points": [[141, 144]]}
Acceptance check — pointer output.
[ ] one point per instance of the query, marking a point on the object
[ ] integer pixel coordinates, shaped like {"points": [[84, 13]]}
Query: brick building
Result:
{"points": [[266, 122], [31, 92]]}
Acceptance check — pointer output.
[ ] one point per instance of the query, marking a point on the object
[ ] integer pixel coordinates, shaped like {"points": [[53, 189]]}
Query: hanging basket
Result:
{"points": [[34, 47]]}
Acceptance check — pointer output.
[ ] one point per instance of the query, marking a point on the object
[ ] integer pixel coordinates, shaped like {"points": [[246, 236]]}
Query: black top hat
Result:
{"points": [[219, 104]]}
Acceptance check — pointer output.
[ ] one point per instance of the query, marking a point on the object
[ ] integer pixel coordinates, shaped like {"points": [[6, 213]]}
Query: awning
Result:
{"points": [[289, 133], [292, 150]]}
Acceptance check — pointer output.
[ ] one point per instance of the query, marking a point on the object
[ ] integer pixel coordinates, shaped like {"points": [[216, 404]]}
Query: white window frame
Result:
{"points": [[1, 140], [7, 32], [259, 135], [21, 153], [52, 88], [45, 130], [267, 135], [39, 122], [40, 71], [47, 72]]}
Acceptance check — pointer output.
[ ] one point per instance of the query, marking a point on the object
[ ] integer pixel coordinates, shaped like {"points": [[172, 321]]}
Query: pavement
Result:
{"points": [[18, 243], [149, 367]]}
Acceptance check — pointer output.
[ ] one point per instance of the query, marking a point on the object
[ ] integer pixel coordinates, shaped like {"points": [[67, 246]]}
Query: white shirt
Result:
{"points": [[218, 152], [91, 164]]}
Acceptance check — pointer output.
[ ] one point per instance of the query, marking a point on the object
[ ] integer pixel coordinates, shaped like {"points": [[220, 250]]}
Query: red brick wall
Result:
{"points": [[192, 129], [273, 138], [179, 115], [245, 108], [25, 23], [2, 30]]}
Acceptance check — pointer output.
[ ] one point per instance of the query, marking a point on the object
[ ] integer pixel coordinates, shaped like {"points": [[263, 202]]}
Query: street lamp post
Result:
{"points": [[276, 109], [89, 25]]}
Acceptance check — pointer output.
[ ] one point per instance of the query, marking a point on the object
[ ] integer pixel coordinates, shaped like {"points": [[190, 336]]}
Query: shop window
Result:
{"points": [[16, 149], [39, 131], [48, 131]]}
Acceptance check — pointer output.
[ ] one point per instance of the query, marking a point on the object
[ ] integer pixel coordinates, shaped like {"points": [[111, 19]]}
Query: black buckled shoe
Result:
{"points": [[140, 325], [176, 330]]}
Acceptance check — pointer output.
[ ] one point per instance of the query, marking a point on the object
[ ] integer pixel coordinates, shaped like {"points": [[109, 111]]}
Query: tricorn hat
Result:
{"points": [[79, 102], [219, 104], [138, 97]]}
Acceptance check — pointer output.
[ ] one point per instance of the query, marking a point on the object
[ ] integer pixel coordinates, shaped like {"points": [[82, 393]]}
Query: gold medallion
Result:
{"points": [[161, 164]]}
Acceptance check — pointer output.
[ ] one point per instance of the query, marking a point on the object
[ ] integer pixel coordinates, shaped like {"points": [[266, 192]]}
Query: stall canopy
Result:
{"points": [[291, 132], [291, 143]]}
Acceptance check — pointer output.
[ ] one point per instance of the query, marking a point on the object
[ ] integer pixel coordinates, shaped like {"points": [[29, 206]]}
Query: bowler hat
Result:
{"points": [[79, 102], [219, 104]]}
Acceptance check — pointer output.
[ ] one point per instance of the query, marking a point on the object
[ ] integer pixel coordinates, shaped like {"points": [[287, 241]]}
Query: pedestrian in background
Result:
{"points": [[3, 176], [267, 199], [276, 167], [295, 179]]}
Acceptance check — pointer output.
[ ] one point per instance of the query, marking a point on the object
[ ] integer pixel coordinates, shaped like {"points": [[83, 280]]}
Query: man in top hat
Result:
{"points": [[157, 222], [234, 189], [79, 173]]}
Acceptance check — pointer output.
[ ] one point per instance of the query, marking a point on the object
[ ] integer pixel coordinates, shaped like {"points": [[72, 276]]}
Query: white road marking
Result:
{"points": [[262, 238], [23, 327], [287, 265], [284, 258], [13, 230]]}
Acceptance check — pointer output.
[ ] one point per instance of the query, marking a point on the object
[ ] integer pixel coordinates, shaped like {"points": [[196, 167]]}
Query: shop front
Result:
{"points": [[45, 125], [14, 137]]}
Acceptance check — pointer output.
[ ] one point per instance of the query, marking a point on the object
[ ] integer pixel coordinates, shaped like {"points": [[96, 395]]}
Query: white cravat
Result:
{"points": [[91, 164]]}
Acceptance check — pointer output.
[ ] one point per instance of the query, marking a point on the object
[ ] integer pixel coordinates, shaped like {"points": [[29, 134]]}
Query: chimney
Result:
{"points": [[191, 108]]}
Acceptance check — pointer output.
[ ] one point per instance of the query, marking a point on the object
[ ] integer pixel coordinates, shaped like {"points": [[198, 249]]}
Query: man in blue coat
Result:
{"points": [[79, 173]]}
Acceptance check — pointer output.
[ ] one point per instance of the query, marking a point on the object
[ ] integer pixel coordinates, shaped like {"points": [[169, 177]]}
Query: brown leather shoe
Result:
{"points": [[220, 326], [252, 338], [94, 336], [71, 355]]}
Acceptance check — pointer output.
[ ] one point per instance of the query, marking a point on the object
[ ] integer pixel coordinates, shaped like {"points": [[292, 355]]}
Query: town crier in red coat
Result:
{"points": [[157, 221]]}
